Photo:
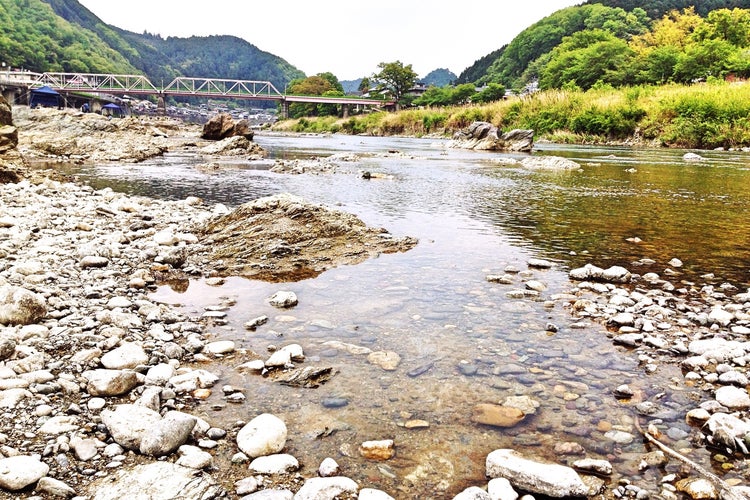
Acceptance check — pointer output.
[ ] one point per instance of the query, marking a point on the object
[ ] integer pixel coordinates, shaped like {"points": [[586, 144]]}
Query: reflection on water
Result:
{"points": [[461, 340]]}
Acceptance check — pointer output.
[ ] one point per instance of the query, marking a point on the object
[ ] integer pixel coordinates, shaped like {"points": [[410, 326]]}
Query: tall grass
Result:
{"points": [[711, 115]]}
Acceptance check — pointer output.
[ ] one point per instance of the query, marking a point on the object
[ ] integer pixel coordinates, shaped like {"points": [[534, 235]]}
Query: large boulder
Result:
{"points": [[552, 480], [223, 125], [486, 136], [19, 306], [157, 481]]}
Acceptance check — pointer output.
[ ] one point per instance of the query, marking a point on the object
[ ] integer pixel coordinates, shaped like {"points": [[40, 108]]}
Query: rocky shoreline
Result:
{"points": [[99, 382]]}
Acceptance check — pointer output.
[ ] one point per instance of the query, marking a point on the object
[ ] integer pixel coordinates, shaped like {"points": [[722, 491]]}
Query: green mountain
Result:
{"points": [[597, 23], [63, 35], [439, 77], [33, 37]]}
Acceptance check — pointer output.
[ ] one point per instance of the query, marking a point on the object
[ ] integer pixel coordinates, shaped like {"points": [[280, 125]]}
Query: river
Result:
{"points": [[434, 307]]}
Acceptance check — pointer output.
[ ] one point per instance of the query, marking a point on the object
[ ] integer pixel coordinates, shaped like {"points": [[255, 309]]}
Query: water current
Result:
{"points": [[461, 340]]}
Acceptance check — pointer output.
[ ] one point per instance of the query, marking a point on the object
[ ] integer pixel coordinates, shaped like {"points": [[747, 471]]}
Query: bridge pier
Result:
{"points": [[11, 95], [284, 110], [345, 110], [161, 106]]}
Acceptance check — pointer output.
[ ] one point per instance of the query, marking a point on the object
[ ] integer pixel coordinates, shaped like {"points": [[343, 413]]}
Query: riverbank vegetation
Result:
{"points": [[704, 115]]}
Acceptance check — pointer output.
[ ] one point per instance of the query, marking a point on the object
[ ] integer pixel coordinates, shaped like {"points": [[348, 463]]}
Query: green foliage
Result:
{"points": [[34, 38], [616, 42], [492, 92], [396, 78], [158, 58], [446, 96], [695, 116]]}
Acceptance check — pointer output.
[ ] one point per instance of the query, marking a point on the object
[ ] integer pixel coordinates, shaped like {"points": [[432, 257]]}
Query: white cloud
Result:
{"points": [[346, 38]]}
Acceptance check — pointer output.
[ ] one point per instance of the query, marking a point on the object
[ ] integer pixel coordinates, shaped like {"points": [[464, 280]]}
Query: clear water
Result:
{"points": [[434, 307]]}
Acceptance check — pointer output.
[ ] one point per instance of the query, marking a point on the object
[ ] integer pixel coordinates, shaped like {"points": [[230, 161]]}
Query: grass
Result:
{"points": [[710, 115]]}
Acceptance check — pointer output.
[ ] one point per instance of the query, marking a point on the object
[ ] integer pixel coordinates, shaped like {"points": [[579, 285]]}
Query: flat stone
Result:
{"points": [[110, 382], [20, 471], [387, 360], [128, 355], [497, 415], [552, 480], [156, 481], [318, 488], [274, 464]]}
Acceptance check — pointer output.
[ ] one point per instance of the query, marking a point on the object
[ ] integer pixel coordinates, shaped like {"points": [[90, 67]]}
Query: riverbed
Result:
{"points": [[461, 339]]}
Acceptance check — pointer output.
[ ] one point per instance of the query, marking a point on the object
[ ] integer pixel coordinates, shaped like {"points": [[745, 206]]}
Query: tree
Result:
{"points": [[364, 84], [492, 92], [396, 78]]}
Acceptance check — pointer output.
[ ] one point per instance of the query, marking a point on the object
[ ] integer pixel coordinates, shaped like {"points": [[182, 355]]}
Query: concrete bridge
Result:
{"points": [[81, 84]]}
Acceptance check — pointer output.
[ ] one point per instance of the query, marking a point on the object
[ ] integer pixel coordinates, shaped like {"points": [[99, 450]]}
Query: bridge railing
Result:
{"points": [[222, 88], [134, 84]]}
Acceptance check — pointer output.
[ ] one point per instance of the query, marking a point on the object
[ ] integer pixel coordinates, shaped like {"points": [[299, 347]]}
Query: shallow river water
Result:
{"points": [[461, 340]]}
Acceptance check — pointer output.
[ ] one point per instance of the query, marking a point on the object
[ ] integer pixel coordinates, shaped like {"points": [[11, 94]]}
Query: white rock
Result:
{"points": [[692, 157], [19, 306], [220, 347], [592, 465], [274, 464], [283, 299], [55, 488], [328, 468], [373, 494], [128, 355], [547, 479], [194, 457], [168, 434], [321, 488], [473, 493], [10, 398], [60, 424], [159, 374], [192, 380], [84, 449], [20, 471], [720, 316], [733, 398], [128, 423], [501, 489], [156, 481], [110, 382], [263, 435], [119, 301]]}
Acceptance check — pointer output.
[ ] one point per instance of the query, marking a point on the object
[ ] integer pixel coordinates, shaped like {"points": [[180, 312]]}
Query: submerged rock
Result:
{"points": [[282, 237]]}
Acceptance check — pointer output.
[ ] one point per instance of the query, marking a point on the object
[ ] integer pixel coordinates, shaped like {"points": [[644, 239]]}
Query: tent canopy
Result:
{"points": [[113, 107], [44, 96]]}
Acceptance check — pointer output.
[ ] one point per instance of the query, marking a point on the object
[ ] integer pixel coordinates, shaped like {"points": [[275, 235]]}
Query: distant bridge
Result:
{"points": [[179, 87]]}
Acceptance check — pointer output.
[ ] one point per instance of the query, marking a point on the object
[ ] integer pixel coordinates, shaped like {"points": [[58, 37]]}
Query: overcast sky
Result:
{"points": [[347, 38]]}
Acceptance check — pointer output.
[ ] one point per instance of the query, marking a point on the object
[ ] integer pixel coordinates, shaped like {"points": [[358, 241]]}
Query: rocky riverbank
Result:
{"points": [[103, 384]]}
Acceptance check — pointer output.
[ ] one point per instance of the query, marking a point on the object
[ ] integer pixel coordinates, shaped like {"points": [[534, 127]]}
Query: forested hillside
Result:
{"points": [[62, 35], [624, 42], [34, 38]]}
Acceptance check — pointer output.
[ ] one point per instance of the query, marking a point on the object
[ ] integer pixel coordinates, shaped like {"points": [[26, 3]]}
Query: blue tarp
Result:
{"points": [[112, 109], [44, 96]]}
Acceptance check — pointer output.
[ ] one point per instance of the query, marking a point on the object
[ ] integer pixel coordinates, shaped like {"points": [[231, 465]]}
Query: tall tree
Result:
{"points": [[396, 77]]}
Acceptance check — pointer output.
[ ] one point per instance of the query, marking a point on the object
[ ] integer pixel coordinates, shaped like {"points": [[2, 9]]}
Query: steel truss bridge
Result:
{"points": [[139, 85]]}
